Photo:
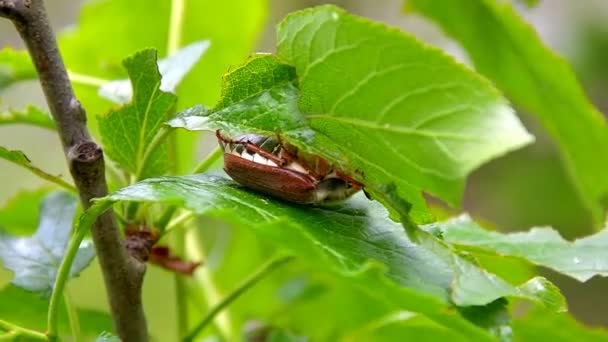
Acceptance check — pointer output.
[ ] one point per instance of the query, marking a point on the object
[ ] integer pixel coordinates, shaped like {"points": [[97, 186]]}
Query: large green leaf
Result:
{"points": [[506, 49], [15, 66], [128, 132], [355, 240], [377, 100], [29, 116], [34, 260], [581, 259]]}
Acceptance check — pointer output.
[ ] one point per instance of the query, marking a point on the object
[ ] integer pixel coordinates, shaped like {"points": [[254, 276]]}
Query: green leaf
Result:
{"points": [[19, 158], [172, 70], [355, 240], [30, 116], [581, 259], [233, 28], [16, 215], [508, 51], [257, 96], [128, 132], [541, 325], [378, 101], [400, 106], [34, 260], [29, 309], [15, 66]]}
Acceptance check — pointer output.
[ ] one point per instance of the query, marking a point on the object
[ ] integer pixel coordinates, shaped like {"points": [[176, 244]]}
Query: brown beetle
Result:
{"points": [[267, 165]]}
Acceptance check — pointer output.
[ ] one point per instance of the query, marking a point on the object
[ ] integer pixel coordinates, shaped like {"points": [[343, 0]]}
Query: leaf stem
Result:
{"points": [[209, 160], [16, 331], [180, 289], [158, 139], [72, 316], [183, 217], [53, 179], [62, 276], [86, 79], [204, 279], [249, 282], [175, 26]]}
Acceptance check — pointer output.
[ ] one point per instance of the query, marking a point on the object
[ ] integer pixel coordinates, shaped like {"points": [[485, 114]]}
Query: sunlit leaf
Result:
{"points": [[34, 260], [127, 133], [507, 50], [377, 100]]}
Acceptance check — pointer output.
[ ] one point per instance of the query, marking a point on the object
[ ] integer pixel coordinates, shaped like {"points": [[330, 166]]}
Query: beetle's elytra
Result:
{"points": [[266, 165]]}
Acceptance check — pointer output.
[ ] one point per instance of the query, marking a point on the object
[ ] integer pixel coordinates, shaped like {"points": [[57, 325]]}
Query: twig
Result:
{"points": [[14, 332], [123, 274], [258, 275]]}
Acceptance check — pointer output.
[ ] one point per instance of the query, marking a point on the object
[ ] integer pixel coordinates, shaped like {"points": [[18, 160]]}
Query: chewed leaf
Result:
{"points": [[172, 70], [581, 259], [356, 239], [35, 260]]}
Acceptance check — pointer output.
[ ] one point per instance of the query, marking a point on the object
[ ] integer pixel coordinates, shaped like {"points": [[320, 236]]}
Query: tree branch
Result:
{"points": [[123, 274]]}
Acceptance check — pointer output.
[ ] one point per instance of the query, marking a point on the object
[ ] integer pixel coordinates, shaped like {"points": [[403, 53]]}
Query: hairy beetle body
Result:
{"points": [[266, 165]]}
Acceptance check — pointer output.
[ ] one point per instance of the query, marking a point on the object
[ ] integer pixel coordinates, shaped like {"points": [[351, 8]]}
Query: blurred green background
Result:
{"points": [[523, 189]]}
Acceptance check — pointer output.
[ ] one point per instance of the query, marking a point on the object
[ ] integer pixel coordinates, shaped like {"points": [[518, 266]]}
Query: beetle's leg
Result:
{"points": [[256, 149], [224, 140]]}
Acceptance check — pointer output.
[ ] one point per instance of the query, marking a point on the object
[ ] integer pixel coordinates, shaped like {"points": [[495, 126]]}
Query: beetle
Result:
{"points": [[267, 165]]}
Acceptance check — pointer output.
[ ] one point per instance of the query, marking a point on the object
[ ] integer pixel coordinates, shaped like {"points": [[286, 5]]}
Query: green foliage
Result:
{"points": [[17, 214], [398, 110], [28, 309], [399, 116], [15, 66], [508, 51], [19, 158], [343, 239], [540, 324], [172, 70], [34, 260], [581, 259], [30, 116], [128, 132], [231, 27]]}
